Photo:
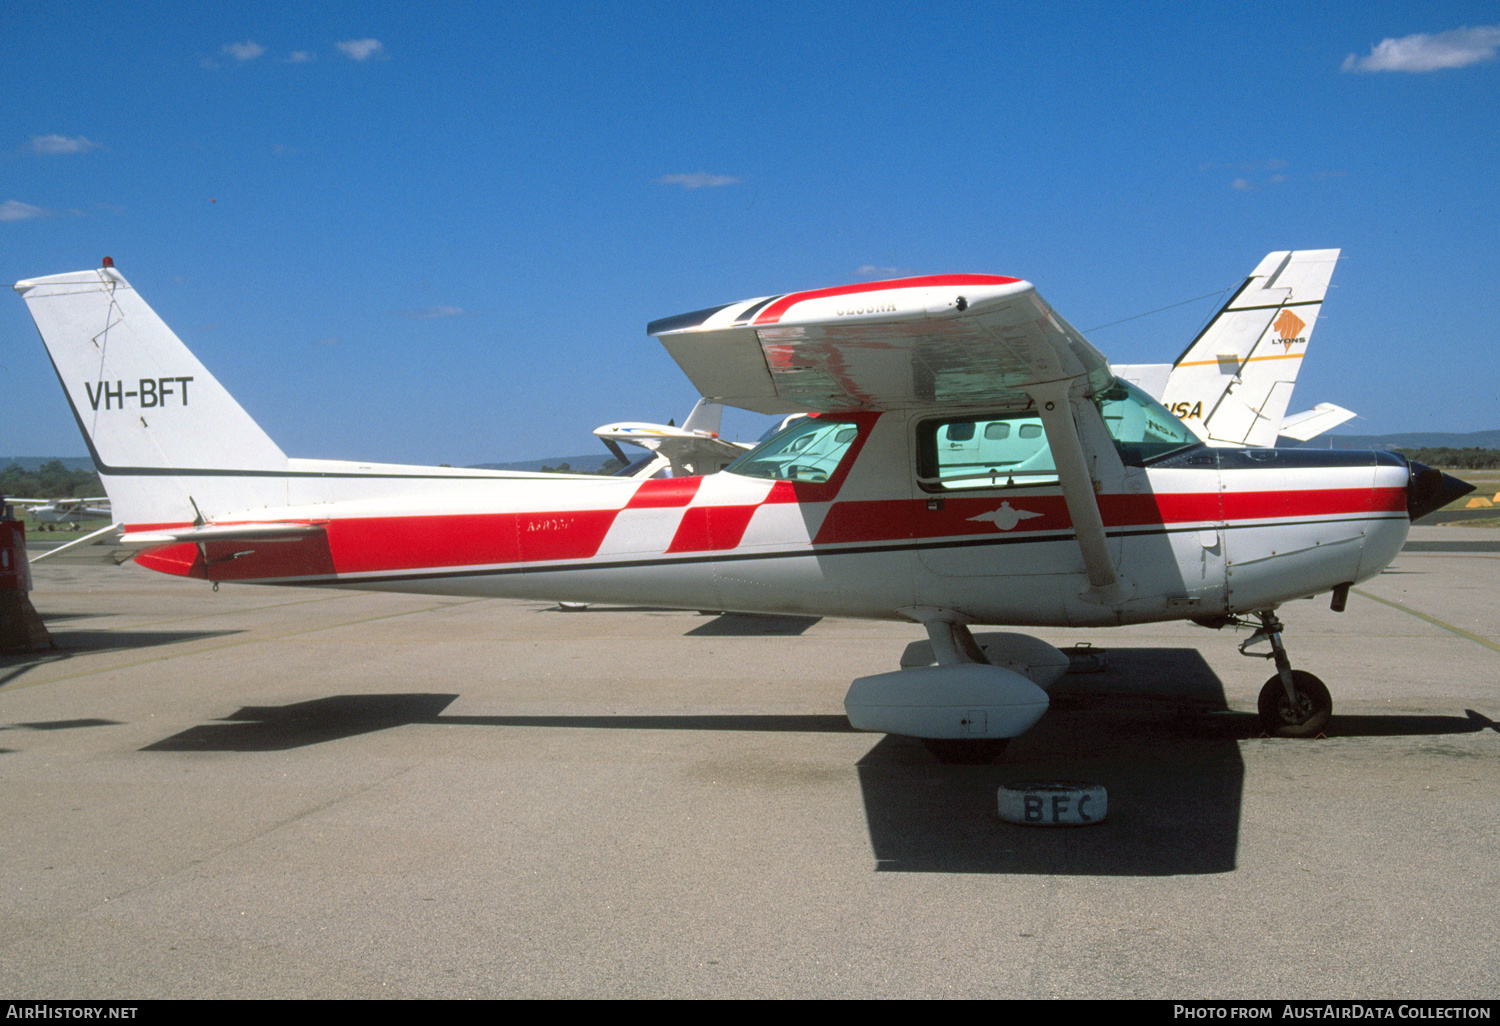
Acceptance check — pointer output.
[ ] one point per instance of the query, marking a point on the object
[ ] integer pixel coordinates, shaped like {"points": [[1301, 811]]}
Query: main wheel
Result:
{"points": [[1307, 719], [966, 751]]}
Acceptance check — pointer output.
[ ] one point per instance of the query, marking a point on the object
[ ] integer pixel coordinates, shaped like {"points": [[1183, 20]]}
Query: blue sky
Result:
{"points": [[436, 234]]}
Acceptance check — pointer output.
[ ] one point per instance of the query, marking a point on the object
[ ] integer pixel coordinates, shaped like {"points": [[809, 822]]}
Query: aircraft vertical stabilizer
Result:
{"points": [[147, 407], [1234, 382]]}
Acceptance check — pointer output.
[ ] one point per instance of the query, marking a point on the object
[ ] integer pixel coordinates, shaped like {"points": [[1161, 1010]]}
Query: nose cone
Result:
{"points": [[1430, 490]]}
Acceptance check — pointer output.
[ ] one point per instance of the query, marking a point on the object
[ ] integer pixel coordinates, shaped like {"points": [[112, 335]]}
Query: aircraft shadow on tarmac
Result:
{"points": [[753, 624], [276, 728], [722, 624], [61, 724], [1151, 728], [1154, 728]]}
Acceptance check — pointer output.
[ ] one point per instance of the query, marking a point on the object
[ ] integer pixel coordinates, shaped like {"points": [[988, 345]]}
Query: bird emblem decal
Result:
{"points": [[1006, 517]]}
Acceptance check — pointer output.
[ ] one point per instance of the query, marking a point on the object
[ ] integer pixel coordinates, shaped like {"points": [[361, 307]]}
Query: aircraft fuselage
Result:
{"points": [[1204, 532]]}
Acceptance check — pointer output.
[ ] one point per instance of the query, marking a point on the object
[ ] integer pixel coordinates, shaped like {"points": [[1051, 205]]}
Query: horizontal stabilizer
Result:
{"points": [[101, 547], [1313, 422], [223, 533]]}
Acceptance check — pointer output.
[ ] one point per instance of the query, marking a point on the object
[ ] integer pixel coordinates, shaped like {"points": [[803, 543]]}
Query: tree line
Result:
{"points": [[51, 480], [1474, 458]]}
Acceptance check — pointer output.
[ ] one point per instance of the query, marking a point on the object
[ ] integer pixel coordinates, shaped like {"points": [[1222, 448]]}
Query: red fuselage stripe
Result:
{"points": [[383, 544], [661, 493]]}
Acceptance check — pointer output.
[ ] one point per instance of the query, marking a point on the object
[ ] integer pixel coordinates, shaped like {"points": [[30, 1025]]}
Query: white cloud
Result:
{"points": [[62, 144], [430, 313], [246, 51], [1242, 185], [871, 271], [300, 57], [15, 210], [362, 49], [1456, 48], [698, 180]]}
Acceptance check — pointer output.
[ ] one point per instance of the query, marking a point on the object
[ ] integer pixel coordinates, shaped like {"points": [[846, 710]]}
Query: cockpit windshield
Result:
{"points": [[1143, 429], [809, 450]]}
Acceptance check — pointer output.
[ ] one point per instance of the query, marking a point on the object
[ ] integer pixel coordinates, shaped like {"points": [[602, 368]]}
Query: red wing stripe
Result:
{"points": [[772, 313]]}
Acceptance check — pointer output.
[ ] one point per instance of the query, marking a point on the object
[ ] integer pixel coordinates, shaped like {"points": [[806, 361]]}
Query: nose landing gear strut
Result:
{"points": [[1293, 703]]}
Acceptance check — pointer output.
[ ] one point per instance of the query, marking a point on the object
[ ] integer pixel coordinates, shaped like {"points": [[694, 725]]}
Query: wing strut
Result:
{"points": [[1106, 586]]}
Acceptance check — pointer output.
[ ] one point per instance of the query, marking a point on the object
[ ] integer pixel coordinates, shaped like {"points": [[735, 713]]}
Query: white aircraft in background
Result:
{"points": [[1231, 385], [65, 511], [1234, 381], [971, 459], [694, 448]]}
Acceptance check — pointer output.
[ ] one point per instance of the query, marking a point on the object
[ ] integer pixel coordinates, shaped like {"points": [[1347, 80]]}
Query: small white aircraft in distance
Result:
{"points": [[694, 448], [970, 459], [1231, 385], [65, 511]]}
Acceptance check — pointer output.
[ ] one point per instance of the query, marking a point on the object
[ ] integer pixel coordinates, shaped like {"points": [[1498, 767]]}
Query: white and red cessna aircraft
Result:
{"points": [[971, 460]]}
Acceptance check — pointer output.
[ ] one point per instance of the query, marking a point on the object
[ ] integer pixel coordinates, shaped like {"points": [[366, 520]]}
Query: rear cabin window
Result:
{"points": [[810, 449], [1010, 450], [991, 451]]}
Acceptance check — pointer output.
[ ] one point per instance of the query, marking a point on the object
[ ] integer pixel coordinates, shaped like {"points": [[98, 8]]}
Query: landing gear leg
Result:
{"points": [[1294, 703]]}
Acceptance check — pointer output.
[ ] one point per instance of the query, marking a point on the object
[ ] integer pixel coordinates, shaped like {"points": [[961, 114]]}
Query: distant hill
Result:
{"points": [[583, 464], [35, 462], [1411, 439]]}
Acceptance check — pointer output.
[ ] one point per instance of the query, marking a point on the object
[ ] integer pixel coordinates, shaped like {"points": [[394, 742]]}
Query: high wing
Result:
{"points": [[931, 342], [934, 341]]}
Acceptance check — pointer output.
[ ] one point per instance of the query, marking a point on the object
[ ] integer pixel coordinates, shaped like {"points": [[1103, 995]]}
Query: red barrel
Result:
{"points": [[15, 572]]}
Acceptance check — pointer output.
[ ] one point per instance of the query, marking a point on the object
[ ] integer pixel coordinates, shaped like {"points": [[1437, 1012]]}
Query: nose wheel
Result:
{"points": [[1304, 714], [1293, 703]]}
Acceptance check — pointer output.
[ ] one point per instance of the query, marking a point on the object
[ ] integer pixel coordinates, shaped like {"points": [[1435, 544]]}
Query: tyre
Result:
{"points": [[1314, 706]]}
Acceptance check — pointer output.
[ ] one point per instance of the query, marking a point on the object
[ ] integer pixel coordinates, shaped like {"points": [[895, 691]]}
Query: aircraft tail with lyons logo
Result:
{"points": [[1233, 383]]}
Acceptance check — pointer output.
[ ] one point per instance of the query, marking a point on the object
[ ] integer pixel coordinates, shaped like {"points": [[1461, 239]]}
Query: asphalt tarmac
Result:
{"points": [[274, 792]]}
